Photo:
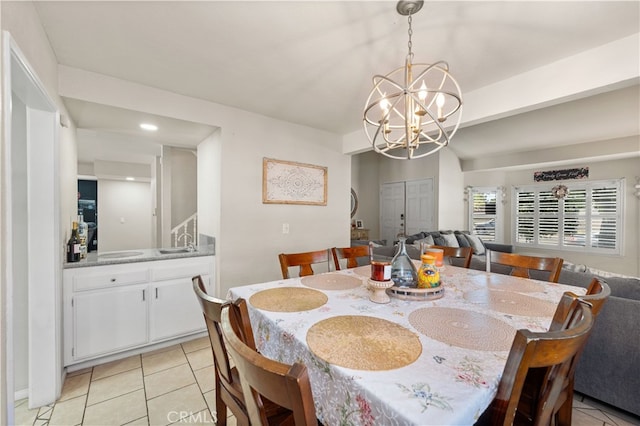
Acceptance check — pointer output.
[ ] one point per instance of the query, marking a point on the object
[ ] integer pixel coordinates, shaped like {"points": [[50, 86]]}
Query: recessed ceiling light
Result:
{"points": [[130, 178], [149, 127]]}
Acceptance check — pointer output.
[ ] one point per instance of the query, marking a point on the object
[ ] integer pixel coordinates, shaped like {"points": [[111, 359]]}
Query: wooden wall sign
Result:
{"points": [[287, 182], [581, 173]]}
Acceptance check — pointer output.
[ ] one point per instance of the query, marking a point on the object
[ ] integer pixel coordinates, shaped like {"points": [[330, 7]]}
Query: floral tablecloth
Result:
{"points": [[450, 383]]}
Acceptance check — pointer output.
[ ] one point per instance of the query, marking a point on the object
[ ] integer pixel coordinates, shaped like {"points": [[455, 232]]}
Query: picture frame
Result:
{"points": [[359, 224], [289, 182]]}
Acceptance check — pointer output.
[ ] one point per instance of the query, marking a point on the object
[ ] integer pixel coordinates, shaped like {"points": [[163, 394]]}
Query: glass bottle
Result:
{"points": [[73, 245], [428, 274], [83, 232], [403, 271]]}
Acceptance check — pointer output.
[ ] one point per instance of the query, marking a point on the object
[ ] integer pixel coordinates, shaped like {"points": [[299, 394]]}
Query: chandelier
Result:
{"points": [[414, 110]]}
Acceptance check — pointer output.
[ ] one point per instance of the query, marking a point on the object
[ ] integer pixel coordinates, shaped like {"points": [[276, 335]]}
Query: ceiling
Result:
{"points": [[311, 62]]}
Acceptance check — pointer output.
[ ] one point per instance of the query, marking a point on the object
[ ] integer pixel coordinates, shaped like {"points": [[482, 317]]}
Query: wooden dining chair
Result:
{"points": [[303, 260], [521, 264], [351, 254], [597, 294], [457, 252], [227, 382], [552, 351], [284, 384]]}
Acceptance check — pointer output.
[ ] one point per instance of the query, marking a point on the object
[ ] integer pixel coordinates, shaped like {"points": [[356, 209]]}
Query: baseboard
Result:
{"points": [[21, 394]]}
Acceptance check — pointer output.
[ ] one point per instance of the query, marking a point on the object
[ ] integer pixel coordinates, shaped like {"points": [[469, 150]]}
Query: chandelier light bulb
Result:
{"points": [[422, 94], [384, 105], [440, 104]]}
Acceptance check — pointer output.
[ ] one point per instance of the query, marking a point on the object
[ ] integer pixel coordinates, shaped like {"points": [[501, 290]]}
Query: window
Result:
{"points": [[485, 212], [588, 219]]}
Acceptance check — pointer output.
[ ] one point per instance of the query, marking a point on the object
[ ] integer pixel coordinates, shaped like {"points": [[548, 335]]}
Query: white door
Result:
{"points": [[419, 206], [391, 211]]}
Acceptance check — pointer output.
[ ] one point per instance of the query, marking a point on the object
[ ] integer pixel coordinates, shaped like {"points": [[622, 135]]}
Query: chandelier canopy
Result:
{"points": [[414, 110]]}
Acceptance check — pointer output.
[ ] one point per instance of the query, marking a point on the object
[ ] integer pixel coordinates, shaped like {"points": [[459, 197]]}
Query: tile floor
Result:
{"points": [[176, 385]]}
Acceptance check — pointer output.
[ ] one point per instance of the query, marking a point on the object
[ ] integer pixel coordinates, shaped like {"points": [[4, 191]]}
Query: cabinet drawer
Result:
{"points": [[113, 279], [179, 271]]}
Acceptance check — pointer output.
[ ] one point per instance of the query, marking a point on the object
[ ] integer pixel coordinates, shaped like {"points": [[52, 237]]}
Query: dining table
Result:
{"points": [[409, 361]]}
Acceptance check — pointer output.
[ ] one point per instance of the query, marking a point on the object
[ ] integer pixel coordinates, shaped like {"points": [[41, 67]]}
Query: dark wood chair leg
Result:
{"points": [[563, 416], [221, 407]]}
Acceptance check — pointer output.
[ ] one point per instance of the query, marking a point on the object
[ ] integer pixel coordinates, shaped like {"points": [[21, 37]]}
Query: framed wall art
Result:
{"points": [[287, 182]]}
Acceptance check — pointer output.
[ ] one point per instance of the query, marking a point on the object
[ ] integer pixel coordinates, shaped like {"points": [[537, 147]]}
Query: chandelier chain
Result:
{"points": [[410, 44]]}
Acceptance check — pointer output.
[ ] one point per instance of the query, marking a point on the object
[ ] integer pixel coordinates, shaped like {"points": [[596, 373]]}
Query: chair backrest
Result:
{"points": [[225, 380], [521, 264], [351, 254], [597, 294], [303, 260], [461, 252], [286, 385], [552, 351]]}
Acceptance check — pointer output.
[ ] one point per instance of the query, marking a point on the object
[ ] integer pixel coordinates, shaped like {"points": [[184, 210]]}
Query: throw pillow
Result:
{"points": [[476, 243], [427, 240], [462, 241], [450, 240]]}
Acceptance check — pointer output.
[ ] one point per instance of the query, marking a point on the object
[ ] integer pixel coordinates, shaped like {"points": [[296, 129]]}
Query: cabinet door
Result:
{"points": [[109, 321], [175, 309]]}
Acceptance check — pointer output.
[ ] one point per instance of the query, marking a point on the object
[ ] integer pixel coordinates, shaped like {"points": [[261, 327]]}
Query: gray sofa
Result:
{"points": [[609, 368], [386, 252]]}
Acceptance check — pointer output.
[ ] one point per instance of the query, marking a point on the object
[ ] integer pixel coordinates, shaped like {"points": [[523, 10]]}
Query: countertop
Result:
{"points": [[139, 255]]}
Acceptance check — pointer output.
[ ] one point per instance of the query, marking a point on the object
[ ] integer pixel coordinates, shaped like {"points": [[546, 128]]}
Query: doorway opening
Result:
{"points": [[88, 208]]}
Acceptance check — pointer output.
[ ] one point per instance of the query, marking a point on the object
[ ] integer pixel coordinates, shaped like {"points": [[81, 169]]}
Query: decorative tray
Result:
{"points": [[407, 293]]}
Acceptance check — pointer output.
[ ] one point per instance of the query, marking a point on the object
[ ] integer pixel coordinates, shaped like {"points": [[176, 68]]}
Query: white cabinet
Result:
{"points": [[113, 308], [109, 320], [175, 310]]}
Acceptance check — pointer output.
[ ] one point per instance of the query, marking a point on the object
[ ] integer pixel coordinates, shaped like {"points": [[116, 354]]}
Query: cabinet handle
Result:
{"points": [[156, 292], [113, 280], [143, 299]]}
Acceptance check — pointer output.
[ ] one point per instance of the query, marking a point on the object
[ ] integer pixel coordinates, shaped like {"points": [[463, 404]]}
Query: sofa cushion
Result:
{"points": [[427, 240], [412, 238], [476, 243], [450, 240], [387, 252]]}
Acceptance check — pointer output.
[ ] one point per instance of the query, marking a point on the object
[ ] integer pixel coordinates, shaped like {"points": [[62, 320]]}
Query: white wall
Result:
{"points": [[629, 262], [124, 215], [19, 205], [209, 195], [184, 185], [450, 190], [364, 180]]}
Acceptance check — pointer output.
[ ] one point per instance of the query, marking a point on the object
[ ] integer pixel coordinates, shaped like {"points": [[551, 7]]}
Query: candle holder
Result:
{"points": [[379, 291]]}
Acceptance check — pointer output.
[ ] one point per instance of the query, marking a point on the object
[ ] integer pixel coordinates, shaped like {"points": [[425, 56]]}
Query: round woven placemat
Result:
{"points": [[363, 343], [331, 281], [511, 303], [463, 328], [364, 271], [288, 299], [508, 283]]}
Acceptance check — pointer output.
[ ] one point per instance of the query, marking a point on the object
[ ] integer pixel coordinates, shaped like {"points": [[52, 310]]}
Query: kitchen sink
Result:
{"points": [[174, 250]]}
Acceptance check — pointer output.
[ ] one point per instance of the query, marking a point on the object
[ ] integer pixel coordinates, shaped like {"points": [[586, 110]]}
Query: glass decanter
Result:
{"points": [[403, 271]]}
